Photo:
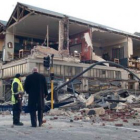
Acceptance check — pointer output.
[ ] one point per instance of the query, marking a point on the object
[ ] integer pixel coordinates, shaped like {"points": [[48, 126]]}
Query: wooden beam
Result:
{"points": [[21, 14], [19, 20], [14, 18], [18, 12]]}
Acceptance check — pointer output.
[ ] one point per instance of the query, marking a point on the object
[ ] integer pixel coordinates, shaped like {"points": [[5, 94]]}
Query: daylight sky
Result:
{"points": [[119, 14]]}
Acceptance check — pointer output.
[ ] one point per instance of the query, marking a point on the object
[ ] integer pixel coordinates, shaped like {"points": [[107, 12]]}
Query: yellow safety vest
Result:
{"points": [[20, 88]]}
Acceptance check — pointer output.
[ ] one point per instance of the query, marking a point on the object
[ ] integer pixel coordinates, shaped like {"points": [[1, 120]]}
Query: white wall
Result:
{"points": [[130, 47], [9, 37]]}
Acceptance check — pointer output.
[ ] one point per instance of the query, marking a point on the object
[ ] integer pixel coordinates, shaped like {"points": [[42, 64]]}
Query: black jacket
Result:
{"points": [[35, 85]]}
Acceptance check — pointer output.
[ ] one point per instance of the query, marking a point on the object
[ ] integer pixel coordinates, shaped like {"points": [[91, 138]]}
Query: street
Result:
{"points": [[62, 129]]}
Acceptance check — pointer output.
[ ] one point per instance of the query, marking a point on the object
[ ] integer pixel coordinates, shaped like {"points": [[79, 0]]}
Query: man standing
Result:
{"points": [[35, 85], [16, 99]]}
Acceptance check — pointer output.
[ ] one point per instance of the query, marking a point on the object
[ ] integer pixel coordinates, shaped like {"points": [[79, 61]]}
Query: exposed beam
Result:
{"points": [[19, 20], [14, 18], [21, 14], [18, 12]]}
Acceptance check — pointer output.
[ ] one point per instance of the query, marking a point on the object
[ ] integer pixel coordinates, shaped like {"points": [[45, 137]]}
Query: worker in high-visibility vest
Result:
{"points": [[17, 91]]}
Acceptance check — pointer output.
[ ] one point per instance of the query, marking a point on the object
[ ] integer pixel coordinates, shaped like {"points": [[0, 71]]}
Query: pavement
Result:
{"points": [[61, 128]]}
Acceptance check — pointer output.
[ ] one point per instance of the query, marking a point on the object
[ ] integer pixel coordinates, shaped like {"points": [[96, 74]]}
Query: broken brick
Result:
{"points": [[125, 121], [119, 124], [136, 124]]}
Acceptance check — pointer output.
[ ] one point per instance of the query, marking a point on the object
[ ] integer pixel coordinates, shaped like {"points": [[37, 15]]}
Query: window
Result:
{"points": [[58, 69], [62, 71], [110, 74], [94, 72], [97, 73], [117, 74], [118, 53], [78, 70], [102, 74]]}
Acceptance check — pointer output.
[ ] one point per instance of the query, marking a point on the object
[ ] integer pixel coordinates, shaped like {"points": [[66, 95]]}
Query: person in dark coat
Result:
{"points": [[36, 87]]}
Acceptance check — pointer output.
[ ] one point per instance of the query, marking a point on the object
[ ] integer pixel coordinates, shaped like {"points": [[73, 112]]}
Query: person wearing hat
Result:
{"points": [[17, 90]]}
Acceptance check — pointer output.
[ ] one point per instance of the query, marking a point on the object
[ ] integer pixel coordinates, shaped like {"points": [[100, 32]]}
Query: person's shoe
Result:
{"points": [[40, 124], [19, 124]]}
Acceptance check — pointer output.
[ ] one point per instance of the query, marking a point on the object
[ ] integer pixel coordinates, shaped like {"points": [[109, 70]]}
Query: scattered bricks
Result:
{"points": [[110, 120], [120, 114], [101, 115], [108, 111], [125, 121], [81, 118], [44, 121], [136, 124], [122, 117], [119, 125], [55, 118], [103, 119], [76, 118], [127, 114], [115, 117]]}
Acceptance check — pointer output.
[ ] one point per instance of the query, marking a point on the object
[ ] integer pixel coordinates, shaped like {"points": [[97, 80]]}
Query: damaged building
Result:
{"points": [[32, 33]]}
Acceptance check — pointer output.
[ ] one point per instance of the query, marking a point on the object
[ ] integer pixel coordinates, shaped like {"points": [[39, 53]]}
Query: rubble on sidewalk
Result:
{"points": [[108, 105]]}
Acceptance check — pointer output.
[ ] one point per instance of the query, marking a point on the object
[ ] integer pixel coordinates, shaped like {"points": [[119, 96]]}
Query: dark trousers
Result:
{"points": [[16, 111], [34, 118]]}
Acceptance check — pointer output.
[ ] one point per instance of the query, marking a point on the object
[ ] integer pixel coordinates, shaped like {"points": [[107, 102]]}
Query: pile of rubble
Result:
{"points": [[108, 105]]}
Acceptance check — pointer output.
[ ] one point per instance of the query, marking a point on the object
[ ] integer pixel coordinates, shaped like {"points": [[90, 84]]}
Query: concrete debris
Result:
{"points": [[57, 112], [90, 100], [131, 99], [121, 106], [137, 109], [41, 51], [109, 105], [99, 111]]}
